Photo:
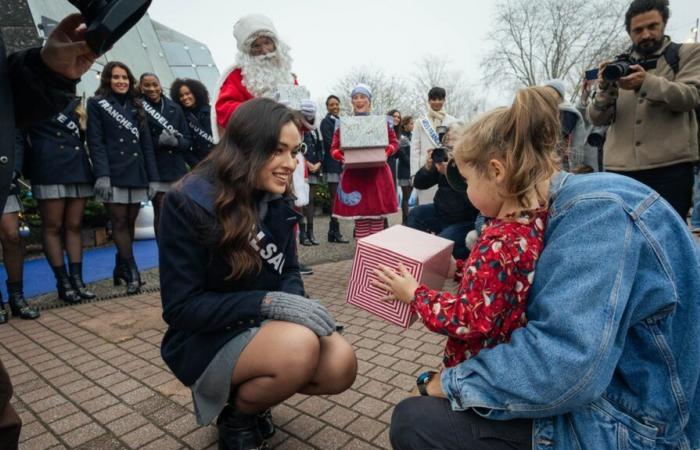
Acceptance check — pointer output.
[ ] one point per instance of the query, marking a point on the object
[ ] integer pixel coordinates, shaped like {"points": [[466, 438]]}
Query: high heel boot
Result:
{"points": [[303, 237], [334, 232], [239, 431], [63, 286], [76, 280], [310, 234], [18, 304], [133, 285]]}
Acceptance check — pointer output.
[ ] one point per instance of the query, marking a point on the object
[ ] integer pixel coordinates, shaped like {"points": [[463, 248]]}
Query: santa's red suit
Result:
{"points": [[366, 193]]}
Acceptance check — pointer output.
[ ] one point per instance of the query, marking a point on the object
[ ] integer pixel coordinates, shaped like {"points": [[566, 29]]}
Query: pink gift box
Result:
{"points": [[359, 158], [425, 256]]}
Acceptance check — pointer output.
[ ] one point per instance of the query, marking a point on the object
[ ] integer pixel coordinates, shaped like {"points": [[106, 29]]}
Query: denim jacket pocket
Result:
{"points": [[622, 430]]}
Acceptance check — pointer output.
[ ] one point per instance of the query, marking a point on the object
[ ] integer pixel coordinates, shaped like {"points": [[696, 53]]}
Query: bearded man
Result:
{"points": [[653, 134], [262, 65]]}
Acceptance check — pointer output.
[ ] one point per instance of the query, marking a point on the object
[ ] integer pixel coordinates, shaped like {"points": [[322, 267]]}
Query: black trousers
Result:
{"points": [[422, 423], [674, 183]]}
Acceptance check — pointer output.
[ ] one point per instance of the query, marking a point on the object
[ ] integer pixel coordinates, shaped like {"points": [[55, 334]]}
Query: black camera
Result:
{"points": [[108, 20], [620, 67], [439, 155]]}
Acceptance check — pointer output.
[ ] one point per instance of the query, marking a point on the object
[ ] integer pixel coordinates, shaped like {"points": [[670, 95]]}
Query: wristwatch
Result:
{"points": [[422, 381]]}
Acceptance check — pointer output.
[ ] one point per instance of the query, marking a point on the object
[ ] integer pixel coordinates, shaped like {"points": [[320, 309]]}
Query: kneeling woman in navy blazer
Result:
{"points": [[241, 334], [123, 161]]}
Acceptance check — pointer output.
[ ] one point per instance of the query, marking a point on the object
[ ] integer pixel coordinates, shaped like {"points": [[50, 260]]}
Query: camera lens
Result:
{"points": [[615, 71]]}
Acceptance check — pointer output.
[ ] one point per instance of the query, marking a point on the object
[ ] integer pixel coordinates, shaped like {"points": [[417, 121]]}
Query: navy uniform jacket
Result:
{"points": [[314, 148], [55, 151], [330, 165], [202, 307], [170, 160], [404, 156], [199, 120], [120, 145]]}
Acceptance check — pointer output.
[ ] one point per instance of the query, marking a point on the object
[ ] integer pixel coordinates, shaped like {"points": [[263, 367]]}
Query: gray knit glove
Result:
{"points": [[103, 188], [297, 309], [167, 139]]}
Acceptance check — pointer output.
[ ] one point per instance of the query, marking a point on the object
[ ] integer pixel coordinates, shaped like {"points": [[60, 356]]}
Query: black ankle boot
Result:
{"points": [[76, 280], [120, 274], [334, 232], [310, 234], [265, 424], [18, 304], [65, 290], [238, 431], [303, 237], [133, 285], [3, 313]]}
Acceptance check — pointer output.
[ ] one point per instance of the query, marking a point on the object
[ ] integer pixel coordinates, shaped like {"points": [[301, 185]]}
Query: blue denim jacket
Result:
{"points": [[610, 357]]}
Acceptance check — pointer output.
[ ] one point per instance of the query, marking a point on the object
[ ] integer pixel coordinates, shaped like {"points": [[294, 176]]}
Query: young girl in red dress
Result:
{"points": [[365, 195], [507, 157]]}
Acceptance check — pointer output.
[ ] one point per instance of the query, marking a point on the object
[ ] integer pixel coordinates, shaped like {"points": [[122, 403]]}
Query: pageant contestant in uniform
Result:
{"points": [[331, 168], [193, 98], [12, 247], [366, 195], [241, 333], [61, 176], [313, 159], [123, 161], [170, 135]]}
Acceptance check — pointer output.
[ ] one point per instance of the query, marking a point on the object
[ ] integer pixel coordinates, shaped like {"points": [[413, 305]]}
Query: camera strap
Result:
{"points": [[429, 129]]}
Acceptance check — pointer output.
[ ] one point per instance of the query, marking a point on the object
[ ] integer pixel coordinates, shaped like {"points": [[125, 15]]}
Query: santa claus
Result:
{"points": [[262, 64]]}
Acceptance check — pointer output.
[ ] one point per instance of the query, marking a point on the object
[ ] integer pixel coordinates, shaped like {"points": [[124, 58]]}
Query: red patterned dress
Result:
{"points": [[491, 299]]}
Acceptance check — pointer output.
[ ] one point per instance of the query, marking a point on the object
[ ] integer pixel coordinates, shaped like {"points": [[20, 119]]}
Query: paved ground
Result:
{"points": [[90, 377]]}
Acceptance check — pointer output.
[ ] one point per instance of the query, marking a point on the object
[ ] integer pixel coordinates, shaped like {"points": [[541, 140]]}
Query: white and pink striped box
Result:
{"points": [[426, 256]]}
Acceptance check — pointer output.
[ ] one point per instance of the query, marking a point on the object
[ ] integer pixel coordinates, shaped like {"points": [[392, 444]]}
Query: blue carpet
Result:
{"points": [[98, 264]]}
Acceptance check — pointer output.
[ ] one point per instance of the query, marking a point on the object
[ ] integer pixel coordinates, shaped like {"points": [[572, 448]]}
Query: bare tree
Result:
{"points": [[536, 41], [388, 91]]}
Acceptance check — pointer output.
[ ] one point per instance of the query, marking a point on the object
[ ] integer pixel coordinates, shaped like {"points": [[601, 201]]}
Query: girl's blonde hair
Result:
{"points": [[523, 137], [82, 116]]}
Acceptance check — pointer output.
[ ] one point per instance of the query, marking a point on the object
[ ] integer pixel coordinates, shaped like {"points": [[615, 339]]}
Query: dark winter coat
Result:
{"points": [[329, 165], [55, 150], [167, 115], [404, 157], [29, 91], [452, 206], [202, 307], [314, 147], [199, 121], [120, 143]]}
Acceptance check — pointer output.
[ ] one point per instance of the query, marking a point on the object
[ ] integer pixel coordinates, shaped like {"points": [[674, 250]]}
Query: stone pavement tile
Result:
{"points": [[34, 395], [137, 395], [386, 415], [357, 444], [104, 442], [383, 440], [112, 413], [83, 434], [377, 389], [164, 443], [381, 374], [314, 406], [347, 398], [182, 426], [282, 414], [339, 416], [70, 423], [365, 428], [296, 399], [86, 394], [167, 414], [66, 378], [112, 379], [78, 386], [31, 430], [363, 367], [202, 437], [403, 381], [99, 403], [23, 377], [126, 424], [142, 436], [128, 385], [294, 444], [41, 442], [303, 426], [329, 438], [396, 395], [277, 438], [370, 407], [56, 371], [385, 361], [58, 412], [48, 403]]}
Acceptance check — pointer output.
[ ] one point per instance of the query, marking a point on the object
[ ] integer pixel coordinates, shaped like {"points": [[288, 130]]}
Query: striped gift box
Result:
{"points": [[426, 256]]}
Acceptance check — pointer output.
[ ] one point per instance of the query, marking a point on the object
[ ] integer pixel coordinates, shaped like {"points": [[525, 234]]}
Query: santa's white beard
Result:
{"points": [[263, 74]]}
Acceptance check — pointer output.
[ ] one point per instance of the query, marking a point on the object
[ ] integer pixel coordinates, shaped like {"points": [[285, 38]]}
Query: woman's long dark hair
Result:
{"points": [[105, 87], [233, 166], [397, 128], [199, 91]]}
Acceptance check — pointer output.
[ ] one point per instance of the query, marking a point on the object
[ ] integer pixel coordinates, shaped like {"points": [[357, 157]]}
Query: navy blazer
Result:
{"points": [[119, 143], [203, 308], [330, 165], [314, 147], [199, 120], [404, 156], [55, 151], [170, 160]]}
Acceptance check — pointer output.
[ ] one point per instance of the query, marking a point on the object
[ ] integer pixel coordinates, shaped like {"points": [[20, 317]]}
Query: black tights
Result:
{"points": [[12, 249], [123, 218], [61, 221], [308, 210], [405, 196], [157, 202], [332, 190]]}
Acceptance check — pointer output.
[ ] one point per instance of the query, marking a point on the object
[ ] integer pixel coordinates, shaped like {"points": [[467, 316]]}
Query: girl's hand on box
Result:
{"points": [[453, 268], [399, 286]]}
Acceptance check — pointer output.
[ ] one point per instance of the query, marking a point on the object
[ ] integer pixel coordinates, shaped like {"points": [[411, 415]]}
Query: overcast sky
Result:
{"points": [[328, 38]]}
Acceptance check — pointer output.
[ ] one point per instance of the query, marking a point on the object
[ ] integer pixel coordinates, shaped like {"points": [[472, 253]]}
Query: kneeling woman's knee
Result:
{"points": [[299, 357], [343, 367]]}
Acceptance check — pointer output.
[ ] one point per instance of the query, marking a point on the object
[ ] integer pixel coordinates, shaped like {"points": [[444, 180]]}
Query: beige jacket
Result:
{"points": [[654, 126]]}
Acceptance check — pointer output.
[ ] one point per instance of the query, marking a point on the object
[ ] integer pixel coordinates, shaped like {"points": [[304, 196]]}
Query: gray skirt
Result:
{"points": [[404, 182], [212, 389], [314, 179], [332, 177], [125, 195], [164, 186], [56, 191], [12, 204]]}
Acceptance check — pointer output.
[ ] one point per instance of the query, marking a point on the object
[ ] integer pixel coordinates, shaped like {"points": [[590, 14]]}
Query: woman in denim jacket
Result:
{"points": [[609, 358]]}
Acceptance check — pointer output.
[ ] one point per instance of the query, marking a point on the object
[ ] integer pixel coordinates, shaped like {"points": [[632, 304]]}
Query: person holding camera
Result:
{"points": [[648, 98], [450, 215], [426, 137]]}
